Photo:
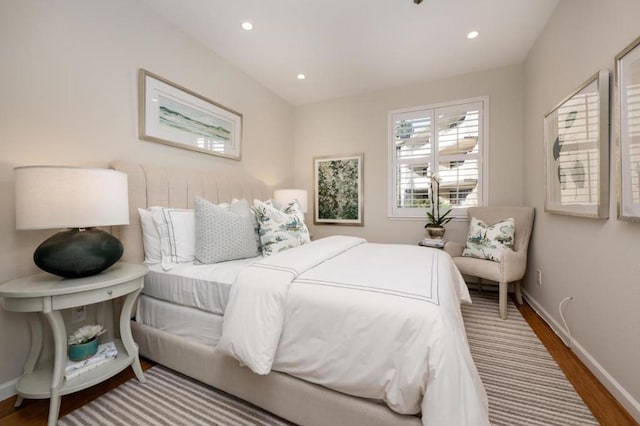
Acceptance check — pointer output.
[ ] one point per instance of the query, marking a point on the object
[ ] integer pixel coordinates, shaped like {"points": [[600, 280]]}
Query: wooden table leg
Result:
{"points": [[60, 356], [127, 338], [35, 325], [54, 407]]}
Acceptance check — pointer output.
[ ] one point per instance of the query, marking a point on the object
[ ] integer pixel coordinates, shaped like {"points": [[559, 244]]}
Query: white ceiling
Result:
{"points": [[347, 47]]}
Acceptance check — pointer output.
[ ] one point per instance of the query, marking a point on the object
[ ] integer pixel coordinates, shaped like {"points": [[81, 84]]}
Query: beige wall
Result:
{"points": [[359, 124], [595, 261], [69, 96]]}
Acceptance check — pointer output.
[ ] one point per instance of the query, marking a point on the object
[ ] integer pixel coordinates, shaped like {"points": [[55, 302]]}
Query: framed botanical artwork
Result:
{"points": [[173, 115], [628, 131], [338, 184], [576, 137]]}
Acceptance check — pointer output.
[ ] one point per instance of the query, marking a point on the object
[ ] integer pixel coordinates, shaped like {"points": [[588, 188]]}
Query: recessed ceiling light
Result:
{"points": [[301, 76], [472, 34], [248, 26]]}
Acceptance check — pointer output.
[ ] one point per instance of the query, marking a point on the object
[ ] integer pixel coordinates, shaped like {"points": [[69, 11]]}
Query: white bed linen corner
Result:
{"points": [[372, 320], [202, 286]]}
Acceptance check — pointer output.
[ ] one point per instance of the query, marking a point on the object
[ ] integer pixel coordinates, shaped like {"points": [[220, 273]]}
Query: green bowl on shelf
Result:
{"points": [[82, 351]]}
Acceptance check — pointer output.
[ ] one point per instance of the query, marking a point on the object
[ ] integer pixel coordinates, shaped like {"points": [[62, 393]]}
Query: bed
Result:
{"points": [[270, 366]]}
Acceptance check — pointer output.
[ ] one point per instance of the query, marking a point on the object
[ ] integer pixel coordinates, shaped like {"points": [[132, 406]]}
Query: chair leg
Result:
{"points": [[479, 284], [504, 290], [519, 293]]}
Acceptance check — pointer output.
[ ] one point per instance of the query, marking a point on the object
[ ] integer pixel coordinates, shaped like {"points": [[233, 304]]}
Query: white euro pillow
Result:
{"points": [[177, 235], [150, 238]]}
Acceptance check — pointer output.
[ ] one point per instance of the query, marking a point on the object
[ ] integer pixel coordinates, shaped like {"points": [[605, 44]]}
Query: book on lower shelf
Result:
{"points": [[433, 242], [106, 352]]}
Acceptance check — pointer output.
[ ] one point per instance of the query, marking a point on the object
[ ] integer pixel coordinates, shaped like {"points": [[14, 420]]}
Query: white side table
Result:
{"points": [[48, 294], [435, 246]]}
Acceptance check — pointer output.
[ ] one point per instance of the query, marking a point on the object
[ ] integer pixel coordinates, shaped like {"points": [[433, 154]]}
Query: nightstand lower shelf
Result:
{"points": [[37, 384], [45, 295]]}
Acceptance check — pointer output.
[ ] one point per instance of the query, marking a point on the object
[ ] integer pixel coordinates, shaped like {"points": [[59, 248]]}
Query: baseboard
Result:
{"points": [[8, 389], [619, 393]]}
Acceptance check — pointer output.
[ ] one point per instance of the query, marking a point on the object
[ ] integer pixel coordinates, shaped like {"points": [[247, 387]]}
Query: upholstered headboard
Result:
{"points": [[151, 185]]}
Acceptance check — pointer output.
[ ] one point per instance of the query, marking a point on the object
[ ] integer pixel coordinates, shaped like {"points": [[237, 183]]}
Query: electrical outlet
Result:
{"points": [[539, 280], [78, 314]]}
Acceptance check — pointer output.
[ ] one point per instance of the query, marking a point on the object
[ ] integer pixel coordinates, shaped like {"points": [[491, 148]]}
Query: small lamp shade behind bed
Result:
{"points": [[285, 196]]}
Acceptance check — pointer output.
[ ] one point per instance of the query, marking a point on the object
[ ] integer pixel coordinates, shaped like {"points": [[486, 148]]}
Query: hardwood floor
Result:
{"points": [[34, 412], [603, 406], [601, 403]]}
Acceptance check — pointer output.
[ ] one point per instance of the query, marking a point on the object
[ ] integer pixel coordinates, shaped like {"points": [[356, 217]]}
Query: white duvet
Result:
{"points": [[376, 321]]}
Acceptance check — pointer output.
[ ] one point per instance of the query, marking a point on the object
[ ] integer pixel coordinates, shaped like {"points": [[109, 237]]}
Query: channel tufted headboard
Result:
{"points": [[151, 185]]}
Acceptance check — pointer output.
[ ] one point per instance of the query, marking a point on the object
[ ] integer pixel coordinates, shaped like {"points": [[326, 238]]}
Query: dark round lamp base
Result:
{"points": [[78, 253]]}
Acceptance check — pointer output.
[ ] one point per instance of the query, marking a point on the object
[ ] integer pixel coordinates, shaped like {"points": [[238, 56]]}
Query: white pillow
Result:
{"points": [[177, 235], [224, 232], [280, 229], [150, 237]]}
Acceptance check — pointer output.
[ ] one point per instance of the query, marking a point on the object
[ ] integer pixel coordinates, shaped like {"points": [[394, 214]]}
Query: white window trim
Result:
{"points": [[483, 161]]}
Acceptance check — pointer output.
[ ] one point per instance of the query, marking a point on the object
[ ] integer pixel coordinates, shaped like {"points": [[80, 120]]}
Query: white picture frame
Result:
{"points": [[576, 138], [627, 84], [173, 115]]}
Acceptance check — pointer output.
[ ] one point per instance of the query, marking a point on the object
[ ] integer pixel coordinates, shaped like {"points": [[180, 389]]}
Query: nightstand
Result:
{"points": [[48, 294]]}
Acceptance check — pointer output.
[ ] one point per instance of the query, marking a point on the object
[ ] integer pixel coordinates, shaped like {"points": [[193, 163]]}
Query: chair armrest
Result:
{"points": [[453, 249], [513, 264]]}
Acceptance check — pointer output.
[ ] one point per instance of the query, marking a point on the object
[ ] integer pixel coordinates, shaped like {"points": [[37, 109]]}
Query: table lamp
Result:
{"points": [[51, 197], [285, 196]]}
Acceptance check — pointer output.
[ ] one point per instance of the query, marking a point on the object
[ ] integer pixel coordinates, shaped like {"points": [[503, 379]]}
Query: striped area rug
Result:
{"points": [[168, 399], [524, 384]]}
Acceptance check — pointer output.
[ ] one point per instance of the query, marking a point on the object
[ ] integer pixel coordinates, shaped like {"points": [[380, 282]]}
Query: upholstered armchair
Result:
{"points": [[513, 264]]}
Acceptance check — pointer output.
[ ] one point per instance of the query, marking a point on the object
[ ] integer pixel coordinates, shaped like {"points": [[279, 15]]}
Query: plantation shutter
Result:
{"points": [[459, 154], [449, 137], [413, 152]]}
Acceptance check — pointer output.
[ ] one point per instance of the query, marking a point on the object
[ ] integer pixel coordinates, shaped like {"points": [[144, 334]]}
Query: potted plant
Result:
{"points": [[83, 343], [435, 220]]}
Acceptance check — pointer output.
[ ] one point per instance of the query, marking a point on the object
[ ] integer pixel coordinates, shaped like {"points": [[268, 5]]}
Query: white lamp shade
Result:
{"points": [[51, 197], [285, 196]]}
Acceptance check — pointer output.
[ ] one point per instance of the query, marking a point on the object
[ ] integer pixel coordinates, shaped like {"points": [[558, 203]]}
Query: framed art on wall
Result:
{"points": [[338, 184], [576, 138], [173, 115], [628, 131]]}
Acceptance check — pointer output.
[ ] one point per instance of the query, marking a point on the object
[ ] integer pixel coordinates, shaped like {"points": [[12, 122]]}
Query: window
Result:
{"points": [[447, 140]]}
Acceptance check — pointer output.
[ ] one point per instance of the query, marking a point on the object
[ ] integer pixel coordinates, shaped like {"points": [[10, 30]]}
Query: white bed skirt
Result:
{"points": [[183, 321]]}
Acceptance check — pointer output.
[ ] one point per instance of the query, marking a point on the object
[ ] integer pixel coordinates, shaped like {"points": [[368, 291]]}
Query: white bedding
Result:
{"points": [[194, 324], [205, 287], [371, 320]]}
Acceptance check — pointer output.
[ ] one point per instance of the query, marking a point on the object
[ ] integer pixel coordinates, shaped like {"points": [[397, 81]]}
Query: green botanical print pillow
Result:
{"points": [[488, 242], [280, 229]]}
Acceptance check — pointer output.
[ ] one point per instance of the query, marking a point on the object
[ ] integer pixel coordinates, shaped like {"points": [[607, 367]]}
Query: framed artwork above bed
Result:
{"points": [[176, 116], [576, 139], [338, 190]]}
